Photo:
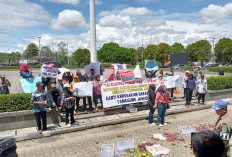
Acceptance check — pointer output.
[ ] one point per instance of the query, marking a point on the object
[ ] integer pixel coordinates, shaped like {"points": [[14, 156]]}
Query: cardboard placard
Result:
{"points": [[127, 76], [29, 85], [84, 88], [47, 71]]}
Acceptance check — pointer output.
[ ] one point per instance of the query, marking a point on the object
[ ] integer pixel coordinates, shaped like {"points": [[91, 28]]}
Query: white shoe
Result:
{"points": [[152, 123], [160, 125], [50, 109], [165, 123], [76, 123], [68, 125]]}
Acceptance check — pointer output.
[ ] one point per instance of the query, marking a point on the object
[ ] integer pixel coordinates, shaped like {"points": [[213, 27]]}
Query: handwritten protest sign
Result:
{"points": [[151, 65], [107, 150], [127, 76], [47, 71], [119, 68], [29, 85], [186, 129], [118, 93], [84, 88], [172, 81], [137, 72], [124, 145], [157, 150], [95, 66]]}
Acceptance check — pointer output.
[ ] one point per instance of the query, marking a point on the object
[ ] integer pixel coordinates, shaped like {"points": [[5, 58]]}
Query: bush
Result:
{"points": [[219, 82], [15, 102], [225, 69], [10, 67], [188, 68]]}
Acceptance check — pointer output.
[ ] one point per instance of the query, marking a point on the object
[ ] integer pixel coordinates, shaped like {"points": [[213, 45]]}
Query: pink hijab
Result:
{"points": [[23, 67]]}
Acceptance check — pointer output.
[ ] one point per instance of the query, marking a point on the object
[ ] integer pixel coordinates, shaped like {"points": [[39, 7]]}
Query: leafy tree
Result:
{"points": [[133, 53], [62, 56], [81, 56], [46, 51], [31, 50], [112, 52], [177, 48], [223, 51], [199, 51], [151, 51], [163, 53]]}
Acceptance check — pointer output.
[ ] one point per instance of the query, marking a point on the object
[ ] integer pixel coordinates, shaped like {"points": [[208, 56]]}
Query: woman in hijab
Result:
{"points": [[161, 103], [75, 80], [24, 72], [151, 102]]}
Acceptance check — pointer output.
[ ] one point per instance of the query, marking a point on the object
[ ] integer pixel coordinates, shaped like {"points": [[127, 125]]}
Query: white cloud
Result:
{"points": [[73, 2], [132, 11], [115, 21], [18, 14], [69, 19], [216, 12]]}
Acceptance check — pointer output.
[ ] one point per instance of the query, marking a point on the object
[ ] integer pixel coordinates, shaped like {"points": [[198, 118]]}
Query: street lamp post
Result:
{"points": [[92, 31], [39, 46], [143, 49]]}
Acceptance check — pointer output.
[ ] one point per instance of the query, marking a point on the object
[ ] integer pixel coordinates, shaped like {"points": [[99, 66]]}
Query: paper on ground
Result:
{"points": [[186, 129], [159, 136], [157, 150]]}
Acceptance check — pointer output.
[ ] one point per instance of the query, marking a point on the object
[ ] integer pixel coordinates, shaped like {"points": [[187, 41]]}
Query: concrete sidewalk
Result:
{"points": [[93, 122]]}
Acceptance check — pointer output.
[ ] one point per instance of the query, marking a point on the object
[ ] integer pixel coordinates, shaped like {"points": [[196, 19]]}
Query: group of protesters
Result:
{"points": [[159, 98], [61, 94]]}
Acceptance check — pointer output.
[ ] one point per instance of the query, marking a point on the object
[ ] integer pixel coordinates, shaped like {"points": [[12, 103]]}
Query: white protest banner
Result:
{"points": [[118, 93], [47, 71], [95, 66], [137, 72], [84, 88], [172, 81]]}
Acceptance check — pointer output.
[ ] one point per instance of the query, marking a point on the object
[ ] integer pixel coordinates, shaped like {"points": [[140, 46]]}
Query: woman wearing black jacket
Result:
{"points": [[151, 102]]}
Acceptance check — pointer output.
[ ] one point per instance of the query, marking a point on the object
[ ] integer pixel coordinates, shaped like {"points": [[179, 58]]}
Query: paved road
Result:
{"points": [[83, 143], [14, 77]]}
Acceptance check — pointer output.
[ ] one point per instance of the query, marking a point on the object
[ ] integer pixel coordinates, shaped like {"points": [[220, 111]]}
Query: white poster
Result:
{"points": [[118, 93], [172, 81], [95, 66], [62, 71], [84, 88], [47, 71], [137, 72]]}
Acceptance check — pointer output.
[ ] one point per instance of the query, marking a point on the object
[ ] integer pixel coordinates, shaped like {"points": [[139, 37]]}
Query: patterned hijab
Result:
{"points": [[162, 92]]}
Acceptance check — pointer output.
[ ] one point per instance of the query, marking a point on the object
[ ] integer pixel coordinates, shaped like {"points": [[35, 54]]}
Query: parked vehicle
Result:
{"points": [[206, 67], [179, 66]]}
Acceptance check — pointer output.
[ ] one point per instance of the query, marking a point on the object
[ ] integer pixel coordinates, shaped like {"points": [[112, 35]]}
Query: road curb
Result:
{"points": [[105, 123]]}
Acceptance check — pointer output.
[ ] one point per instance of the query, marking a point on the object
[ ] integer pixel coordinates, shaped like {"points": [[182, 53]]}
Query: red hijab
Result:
{"points": [[23, 67]]}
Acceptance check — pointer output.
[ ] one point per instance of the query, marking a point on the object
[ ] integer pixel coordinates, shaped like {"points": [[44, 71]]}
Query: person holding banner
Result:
{"points": [[161, 103], [184, 83], [151, 102], [39, 101], [97, 92], [190, 85], [68, 103], [24, 72]]}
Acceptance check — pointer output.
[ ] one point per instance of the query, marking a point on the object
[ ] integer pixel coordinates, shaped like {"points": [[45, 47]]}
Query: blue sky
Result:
{"points": [[130, 23]]}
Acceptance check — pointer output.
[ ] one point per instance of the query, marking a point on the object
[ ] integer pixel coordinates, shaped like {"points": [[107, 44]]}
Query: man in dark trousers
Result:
{"points": [[39, 101]]}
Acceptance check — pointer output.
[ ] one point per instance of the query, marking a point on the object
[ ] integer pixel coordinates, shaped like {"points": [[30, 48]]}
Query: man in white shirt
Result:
{"points": [[202, 88], [184, 83]]}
